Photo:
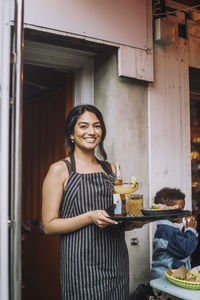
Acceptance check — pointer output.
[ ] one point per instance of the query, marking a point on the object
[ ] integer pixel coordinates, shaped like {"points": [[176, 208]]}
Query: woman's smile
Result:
{"points": [[90, 140]]}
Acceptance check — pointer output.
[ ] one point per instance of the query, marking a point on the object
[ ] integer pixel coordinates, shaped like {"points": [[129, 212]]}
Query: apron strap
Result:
{"points": [[68, 164], [73, 164], [106, 166]]}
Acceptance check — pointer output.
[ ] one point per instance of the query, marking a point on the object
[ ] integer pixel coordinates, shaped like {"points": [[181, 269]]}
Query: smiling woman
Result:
{"points": [[87, 132], [78, 117], [77, 202]]}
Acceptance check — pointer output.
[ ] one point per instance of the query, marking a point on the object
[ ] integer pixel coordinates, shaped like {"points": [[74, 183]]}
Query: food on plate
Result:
{"points": [[155, 206], [163, 206]]}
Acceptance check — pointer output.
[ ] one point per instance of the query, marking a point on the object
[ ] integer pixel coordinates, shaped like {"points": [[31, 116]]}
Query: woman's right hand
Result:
{"points": [[101, 218]]}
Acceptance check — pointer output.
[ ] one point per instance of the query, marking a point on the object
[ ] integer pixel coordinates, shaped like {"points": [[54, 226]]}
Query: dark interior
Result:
{"points": [[41, 81]]}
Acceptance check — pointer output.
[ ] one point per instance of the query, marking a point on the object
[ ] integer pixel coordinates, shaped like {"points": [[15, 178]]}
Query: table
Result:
{"points": [[164, 285]]}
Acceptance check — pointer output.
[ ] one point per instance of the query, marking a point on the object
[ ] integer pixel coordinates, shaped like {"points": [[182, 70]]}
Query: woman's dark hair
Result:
{"points": [[73, 117], [168, 196]]}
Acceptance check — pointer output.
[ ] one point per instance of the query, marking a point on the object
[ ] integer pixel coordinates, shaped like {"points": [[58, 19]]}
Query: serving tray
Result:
{"points": [[153, 217], [155, 212]]}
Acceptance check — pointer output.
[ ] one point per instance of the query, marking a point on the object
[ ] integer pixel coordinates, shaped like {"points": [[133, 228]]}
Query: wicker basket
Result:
{"points": [[184, 283]]}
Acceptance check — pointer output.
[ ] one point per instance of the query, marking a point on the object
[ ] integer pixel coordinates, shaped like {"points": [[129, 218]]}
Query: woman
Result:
{"points": [[77, 201]]}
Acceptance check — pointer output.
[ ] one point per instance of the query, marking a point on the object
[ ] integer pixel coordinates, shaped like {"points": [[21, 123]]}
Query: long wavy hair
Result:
{"points": [[71, 121]]}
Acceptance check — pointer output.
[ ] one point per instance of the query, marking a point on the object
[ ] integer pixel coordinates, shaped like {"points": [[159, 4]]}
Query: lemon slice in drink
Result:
{"points": [[133, 181]]}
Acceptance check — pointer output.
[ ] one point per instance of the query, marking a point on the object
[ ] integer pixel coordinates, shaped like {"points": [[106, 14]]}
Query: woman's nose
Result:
{"points": [[91, 130]]}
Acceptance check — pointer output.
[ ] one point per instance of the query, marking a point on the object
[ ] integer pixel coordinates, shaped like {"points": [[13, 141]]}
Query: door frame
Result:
{"points": [[5, 35], [79, 61], [10, 147], [15, 176]]}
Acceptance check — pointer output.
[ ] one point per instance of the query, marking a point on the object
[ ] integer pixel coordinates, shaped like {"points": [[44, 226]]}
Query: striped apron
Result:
{"points": [[93, 262]]}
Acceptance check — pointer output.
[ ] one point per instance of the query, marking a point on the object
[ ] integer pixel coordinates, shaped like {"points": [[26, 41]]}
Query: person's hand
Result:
{"points": [[191, 222], [100, 218]]}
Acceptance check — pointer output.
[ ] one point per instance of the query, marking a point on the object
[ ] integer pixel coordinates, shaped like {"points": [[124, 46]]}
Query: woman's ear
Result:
{"points": [[72, 138]]}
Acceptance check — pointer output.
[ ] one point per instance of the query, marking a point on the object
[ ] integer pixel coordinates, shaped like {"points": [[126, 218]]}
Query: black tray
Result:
{"points": [[157, 212], [153, 217]]}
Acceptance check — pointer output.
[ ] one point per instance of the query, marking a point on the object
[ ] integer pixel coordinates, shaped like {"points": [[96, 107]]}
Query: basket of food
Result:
{"points": [[184, 278]]}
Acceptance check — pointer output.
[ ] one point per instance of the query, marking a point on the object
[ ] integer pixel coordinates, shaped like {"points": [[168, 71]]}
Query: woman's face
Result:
{"points": [[87, 131]]}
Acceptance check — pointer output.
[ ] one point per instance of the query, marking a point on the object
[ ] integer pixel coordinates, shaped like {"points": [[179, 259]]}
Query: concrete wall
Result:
{"points": [[169, 110], [124, 105], [169, 119]]}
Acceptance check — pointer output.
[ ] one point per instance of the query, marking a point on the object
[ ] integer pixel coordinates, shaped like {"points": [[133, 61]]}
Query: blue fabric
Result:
{"points": [[172, 248]]}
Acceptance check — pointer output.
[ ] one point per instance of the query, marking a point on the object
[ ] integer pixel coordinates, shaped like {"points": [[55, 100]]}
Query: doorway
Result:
{"points": [[195, 153], [47, 99], [195, 137]]}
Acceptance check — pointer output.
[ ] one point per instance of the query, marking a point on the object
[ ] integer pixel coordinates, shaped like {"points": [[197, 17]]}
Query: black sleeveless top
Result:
{"points": [[93, 262]]}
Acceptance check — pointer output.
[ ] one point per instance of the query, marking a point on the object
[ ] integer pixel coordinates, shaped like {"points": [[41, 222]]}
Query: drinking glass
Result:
{"points": [[134, 204], [124, 189]]}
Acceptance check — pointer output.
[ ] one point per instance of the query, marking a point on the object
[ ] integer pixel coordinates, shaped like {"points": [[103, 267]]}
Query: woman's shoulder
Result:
{"points": [[59, 167]]}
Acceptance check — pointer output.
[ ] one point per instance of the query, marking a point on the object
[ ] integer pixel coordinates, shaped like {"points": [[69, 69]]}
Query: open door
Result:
{"points": [[11, 45], [47, 98]]}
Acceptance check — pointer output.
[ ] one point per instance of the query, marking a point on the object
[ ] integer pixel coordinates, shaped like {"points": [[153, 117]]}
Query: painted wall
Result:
{"points": [[122, 21], [126, 24], [169, 120], [124, 105]]}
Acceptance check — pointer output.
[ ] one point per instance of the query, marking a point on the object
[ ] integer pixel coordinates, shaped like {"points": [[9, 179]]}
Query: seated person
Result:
{"points": [[171, 246]]}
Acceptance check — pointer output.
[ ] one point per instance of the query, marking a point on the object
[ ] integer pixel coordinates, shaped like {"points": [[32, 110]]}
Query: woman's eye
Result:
{"points": [[83, 126], [98, 126]]}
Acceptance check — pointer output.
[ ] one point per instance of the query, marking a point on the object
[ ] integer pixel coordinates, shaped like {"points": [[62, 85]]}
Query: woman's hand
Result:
{"points": [[100, 218]]}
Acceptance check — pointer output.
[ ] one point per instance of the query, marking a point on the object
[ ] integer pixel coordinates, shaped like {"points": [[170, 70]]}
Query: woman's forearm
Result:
{"points": [[66, 225]]}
